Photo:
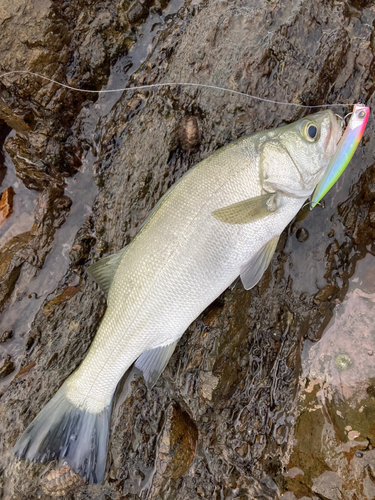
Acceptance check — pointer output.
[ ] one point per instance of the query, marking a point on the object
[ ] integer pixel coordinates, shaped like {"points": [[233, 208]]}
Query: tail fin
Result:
{"points": [[62, 430]]}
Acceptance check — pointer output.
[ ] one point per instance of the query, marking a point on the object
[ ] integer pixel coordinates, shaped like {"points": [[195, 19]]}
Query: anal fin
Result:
{"points": [[253, 270], [153, 362]]}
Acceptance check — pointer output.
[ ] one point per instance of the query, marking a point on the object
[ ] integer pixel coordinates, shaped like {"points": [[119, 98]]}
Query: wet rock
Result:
{"points": [[71, 44], [343, 362], [137, 12], [7, 367], [82, 245], [29, 250], [50, 213], [176, 450], [325, 293], [208, 384], [4, 131], [62, 298], [302, 234], [6, 204], [25, 369], [6, 336], [10, 264], [61, 482], [329, 485], [35, 172], [230, 374], [336, 403]]}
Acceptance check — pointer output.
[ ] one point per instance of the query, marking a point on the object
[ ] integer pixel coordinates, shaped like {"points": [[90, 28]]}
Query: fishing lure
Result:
{"points": [[344, 152]]}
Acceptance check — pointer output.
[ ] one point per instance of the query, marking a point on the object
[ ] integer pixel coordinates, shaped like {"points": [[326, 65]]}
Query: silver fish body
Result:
{"points": [[221, 220]]}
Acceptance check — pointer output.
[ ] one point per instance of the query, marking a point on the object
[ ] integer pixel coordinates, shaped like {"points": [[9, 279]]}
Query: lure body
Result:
{"points": [[344, 152]]}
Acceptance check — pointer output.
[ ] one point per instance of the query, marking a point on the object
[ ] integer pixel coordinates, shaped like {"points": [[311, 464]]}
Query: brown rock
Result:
{"points": [[7, 367], [326, 292], [63, 297], [138, 12], [25, 369], [302, 234], [6, 204], [61, 482], [10, 266], [188, 133], [31, 248], [8, 334], [176, 449]]}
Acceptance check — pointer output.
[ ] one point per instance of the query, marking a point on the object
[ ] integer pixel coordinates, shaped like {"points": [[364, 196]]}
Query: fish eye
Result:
{"points": [[310, 131], [361, 114]]}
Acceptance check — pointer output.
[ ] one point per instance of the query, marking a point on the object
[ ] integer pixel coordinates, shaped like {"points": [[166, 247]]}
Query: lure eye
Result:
{"points": [[310, 131], [361, 114]]}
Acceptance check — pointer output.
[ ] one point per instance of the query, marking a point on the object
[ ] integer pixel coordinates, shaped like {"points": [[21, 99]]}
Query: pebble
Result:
{"points": [[302, 234], [353, 435], [188, 133], [61, 481]]}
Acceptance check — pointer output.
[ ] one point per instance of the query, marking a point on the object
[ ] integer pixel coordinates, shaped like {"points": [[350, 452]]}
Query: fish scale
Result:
{"points": [[221, 220]]}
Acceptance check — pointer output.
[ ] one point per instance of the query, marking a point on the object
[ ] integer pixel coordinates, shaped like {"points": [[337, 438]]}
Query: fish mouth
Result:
{"points": [[334, 134]]}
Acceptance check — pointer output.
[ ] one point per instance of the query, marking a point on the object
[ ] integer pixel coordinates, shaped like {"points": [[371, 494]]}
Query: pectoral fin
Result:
{"points": [[247, 211], [153, 362], [103, 271], [254, 269]]}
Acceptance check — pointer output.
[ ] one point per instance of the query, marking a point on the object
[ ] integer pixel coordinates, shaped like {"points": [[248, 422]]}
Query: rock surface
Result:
{"points": [[6, 204], [332, 442], [219, 422], [7, 367]]}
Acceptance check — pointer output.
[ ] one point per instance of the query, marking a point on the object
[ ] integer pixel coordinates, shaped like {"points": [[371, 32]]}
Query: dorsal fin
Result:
{"points": [[103, 271]]}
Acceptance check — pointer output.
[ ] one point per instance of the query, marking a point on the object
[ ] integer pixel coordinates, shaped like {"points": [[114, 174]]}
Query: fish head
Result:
{"points": [[295, 157]]}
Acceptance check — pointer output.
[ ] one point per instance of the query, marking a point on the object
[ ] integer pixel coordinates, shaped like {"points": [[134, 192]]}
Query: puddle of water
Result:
{"points": [[21, 309], [21, 219]]}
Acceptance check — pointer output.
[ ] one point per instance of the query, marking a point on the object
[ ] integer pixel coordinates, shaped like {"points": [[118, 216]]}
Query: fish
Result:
{"points": [[221, 220], [344, 152]]}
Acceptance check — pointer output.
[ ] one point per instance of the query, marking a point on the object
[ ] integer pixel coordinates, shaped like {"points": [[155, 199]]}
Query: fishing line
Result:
{"points": [[172, 84], [309, 202]]}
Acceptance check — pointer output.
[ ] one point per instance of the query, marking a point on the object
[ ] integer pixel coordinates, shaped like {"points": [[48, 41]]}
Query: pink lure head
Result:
{"points": [[344, 152]]}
